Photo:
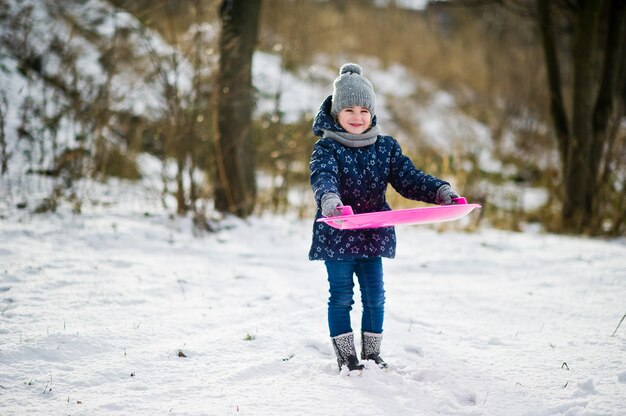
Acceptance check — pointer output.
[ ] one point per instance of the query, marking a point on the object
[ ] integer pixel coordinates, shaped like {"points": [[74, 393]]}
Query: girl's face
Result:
{"points": [[355, 119]]}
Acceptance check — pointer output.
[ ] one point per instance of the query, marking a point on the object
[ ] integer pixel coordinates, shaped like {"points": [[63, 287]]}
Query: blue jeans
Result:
{"points": [[369, 272]]}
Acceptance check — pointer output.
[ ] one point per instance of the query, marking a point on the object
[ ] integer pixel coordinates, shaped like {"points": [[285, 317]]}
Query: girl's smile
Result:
{"points": [[355, 119]]}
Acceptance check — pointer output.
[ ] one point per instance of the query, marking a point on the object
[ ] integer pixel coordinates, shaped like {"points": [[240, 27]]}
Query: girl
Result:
{"points": [[351, 164]]}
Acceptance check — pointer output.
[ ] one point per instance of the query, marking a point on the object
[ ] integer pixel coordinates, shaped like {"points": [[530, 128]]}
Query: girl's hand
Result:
{"points": [[445, 194], [330, 202]]}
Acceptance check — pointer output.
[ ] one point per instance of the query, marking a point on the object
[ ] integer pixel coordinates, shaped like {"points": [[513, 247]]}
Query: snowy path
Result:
{"points": [[95, 308]]}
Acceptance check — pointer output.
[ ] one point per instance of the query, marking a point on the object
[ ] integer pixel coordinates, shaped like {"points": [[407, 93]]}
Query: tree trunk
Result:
{"points": [[557, 104], [4, 155], [181, 202], [577, 211], [584, 140], [609, 108], [235, 188]]}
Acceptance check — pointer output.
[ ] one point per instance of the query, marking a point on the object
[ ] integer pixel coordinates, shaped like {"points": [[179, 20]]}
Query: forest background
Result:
{"points": [[520, 104]]}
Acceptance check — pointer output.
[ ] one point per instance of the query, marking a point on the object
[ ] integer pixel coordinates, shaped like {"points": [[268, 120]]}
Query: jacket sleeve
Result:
{"points": [[409, 181], [324, 170]]}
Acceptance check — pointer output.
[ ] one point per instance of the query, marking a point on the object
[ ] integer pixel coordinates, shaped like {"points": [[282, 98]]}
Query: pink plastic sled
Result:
{"points": [[348, 220]]}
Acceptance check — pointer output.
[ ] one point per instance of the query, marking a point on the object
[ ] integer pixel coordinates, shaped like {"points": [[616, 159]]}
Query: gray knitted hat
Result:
{"points": [[352, 88]]}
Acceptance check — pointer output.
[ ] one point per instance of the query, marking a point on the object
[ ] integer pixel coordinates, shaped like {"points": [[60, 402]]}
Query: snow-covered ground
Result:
{"points": [[94, 310]]}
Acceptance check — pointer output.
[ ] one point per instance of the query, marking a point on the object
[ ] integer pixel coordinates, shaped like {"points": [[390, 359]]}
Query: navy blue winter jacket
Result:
{"points": [[360, 176]]}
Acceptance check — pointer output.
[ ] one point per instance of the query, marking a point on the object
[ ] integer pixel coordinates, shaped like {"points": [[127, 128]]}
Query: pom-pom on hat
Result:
{"points": [[352, 88]]}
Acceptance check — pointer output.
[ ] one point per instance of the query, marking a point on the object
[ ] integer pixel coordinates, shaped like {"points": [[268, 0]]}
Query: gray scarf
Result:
{"points": [[354, 140]]}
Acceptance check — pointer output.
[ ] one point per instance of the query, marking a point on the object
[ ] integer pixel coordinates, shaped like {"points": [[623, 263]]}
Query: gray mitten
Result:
{"points": [[330, 202], [445, 194]]}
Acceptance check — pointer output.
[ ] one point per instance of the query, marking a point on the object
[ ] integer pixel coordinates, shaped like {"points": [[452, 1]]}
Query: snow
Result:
{"points": [[404, 4], [298, 94], [95, 309]]}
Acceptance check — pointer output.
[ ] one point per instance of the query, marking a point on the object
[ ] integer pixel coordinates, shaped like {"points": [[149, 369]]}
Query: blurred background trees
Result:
{"points": [[519, 103], [587, 129], [235, 188]]}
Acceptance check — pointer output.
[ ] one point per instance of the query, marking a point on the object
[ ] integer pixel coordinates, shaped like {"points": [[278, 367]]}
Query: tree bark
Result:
{"points": [[609, 106], [181, 201], [577, 204], [235, 188], [598, 77], [4, 155], [557, 104]]}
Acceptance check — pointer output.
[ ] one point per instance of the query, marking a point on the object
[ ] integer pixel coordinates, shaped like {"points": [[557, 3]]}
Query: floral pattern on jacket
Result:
{"points": [[360, 177]]}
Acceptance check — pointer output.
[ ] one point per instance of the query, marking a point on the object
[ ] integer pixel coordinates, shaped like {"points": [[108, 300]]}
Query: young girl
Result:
{"points": [[351, 164]]}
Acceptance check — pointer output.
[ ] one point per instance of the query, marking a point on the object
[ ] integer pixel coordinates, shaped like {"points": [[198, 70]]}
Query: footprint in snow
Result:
{"points": [[322, 347], [465, 399], [411, 349]]}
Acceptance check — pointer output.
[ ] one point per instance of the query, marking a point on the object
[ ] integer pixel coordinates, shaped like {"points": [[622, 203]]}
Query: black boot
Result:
{"points": [[345, 351], [370, 348]]}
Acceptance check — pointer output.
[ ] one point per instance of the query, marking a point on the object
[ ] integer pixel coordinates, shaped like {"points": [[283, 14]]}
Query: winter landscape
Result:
{"points": [[97, 309], [113, 302]]}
